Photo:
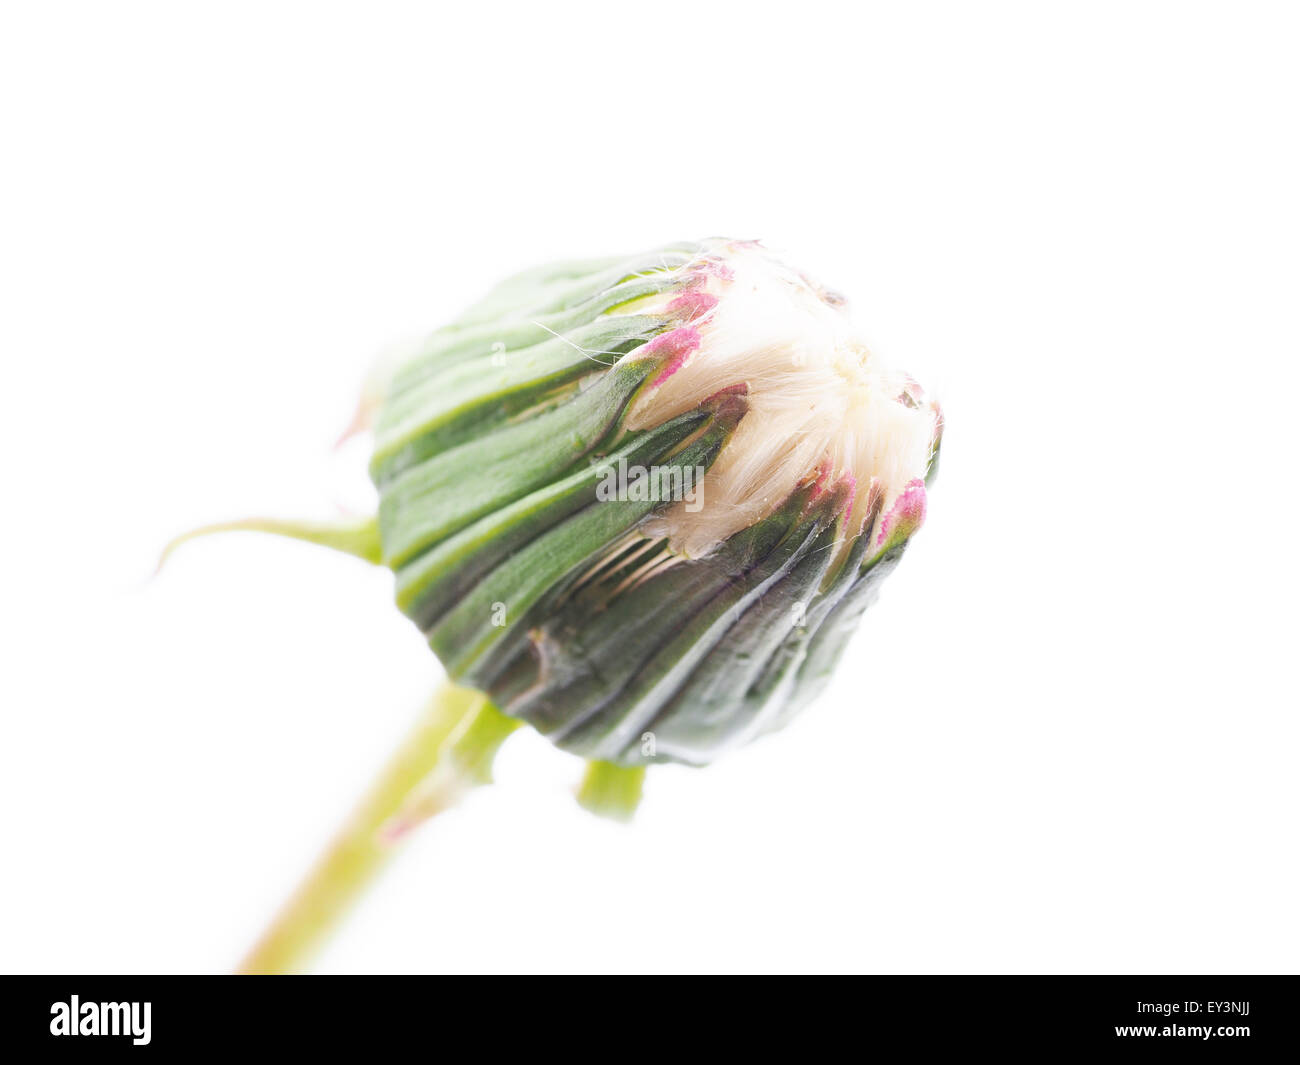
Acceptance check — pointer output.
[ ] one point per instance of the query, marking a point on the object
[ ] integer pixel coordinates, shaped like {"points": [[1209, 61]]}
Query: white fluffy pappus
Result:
{"points": [[821, 404]]}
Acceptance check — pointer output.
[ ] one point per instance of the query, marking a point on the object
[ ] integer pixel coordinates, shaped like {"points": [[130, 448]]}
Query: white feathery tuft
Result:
{"points": [[821, 404]]}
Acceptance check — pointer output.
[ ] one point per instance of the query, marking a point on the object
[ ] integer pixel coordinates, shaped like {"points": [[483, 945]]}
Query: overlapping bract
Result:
{"points": [[489, 450]]}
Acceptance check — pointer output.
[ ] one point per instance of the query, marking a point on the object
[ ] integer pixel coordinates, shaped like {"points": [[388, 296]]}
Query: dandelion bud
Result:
{"points": [[777, 474]]}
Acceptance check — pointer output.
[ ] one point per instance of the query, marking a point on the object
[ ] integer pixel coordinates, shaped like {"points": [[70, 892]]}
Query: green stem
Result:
{"points": [[450, 751], [610, 790]]}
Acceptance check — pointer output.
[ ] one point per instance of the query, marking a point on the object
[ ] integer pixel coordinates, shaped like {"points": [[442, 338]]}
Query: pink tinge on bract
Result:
{"points": [[846, 485], [850, 497], [692, 305], [676, 347], [905, 516], [820, 481], [822, 405], [714, 267]]}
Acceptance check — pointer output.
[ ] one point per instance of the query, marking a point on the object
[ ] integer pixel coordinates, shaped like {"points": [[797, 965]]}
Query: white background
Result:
{"points": [[1065, 739]]}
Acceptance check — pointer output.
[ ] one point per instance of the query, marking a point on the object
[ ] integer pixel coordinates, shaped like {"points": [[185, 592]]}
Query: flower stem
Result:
{"points": [[610, 790], [450, 751]]}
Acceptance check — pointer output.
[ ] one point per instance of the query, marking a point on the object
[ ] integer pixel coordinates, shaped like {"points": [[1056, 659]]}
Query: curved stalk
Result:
{"points": [[450, 751], [357, 536]]}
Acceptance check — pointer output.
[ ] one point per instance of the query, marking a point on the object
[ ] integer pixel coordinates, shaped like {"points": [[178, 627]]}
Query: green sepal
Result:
{"points": [[472, 397], [781, 678], [618, 683], [448, 492], [722, 704], [826, 643], [527, 288], [429, 585], [562, 286], [598, 641], [475, 638], [505, 335]]}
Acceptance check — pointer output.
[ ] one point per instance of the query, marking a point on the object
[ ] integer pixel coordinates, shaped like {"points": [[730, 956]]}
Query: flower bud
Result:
{"points": [[643, 503]]}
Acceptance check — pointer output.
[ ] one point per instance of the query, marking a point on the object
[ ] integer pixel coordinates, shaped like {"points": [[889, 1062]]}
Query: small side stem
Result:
{"points": [[358, 536], [450, 751], [610, 790]]}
